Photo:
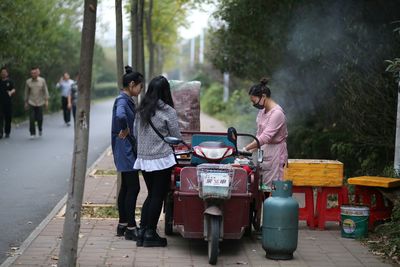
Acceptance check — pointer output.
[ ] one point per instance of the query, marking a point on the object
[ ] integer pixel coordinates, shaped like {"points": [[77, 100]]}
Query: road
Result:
{"points": [[34, 173]]}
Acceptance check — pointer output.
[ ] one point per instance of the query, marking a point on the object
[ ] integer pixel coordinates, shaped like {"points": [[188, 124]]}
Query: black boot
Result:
{"points": [[131, 234], [152, 239], [140, 237], [121, 230]]}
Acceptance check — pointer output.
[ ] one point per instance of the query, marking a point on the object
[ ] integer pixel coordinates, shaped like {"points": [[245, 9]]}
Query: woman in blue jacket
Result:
{"points": [[124, 150]]}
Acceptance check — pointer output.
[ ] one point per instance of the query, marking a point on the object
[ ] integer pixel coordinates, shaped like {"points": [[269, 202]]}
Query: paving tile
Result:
{"points": [[98, 245], [29, 261], [145, 264]]}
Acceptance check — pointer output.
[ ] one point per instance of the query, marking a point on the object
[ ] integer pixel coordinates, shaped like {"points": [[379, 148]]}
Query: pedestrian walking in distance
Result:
{"points": [[64, 85], [36, 96], [123, 145], [73, 97], [7, 90]]}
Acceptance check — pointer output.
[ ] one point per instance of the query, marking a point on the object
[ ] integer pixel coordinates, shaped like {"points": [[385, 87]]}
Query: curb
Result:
{"points": [[11, 259]]}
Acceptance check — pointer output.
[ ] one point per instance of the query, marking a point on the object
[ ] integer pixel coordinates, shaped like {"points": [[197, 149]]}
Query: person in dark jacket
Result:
{"points": [[124, 146], [7, 90]]}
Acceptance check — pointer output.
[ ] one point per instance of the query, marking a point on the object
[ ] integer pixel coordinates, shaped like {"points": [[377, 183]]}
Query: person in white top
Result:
{"points": [[65, 84], [156, 118]]}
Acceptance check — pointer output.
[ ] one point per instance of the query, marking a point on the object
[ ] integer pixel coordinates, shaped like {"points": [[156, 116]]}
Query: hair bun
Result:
{"points": [[128, 69], [264, 81]]}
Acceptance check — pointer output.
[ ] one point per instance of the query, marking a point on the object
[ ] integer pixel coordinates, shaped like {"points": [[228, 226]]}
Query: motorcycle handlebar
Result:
{"points": [[245, 153]]}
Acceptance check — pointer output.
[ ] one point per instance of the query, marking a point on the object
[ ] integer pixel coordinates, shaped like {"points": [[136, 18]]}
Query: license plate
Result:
{"points": [[216, 179]]}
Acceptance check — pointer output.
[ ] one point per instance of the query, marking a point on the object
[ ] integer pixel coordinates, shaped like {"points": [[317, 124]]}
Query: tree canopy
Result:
{"points": [[43, 33], [326, 61]]}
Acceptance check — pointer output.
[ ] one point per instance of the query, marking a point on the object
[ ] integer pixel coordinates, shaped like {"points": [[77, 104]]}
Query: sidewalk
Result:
{"points": [[98, 245]]}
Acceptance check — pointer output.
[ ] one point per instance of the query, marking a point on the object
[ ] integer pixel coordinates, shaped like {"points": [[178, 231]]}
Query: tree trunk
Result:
{"points": [[150, 43], [160, 59], [120, 64], [134, 10], [69, 243], [397, 141], [119, 42], [137, 15]]}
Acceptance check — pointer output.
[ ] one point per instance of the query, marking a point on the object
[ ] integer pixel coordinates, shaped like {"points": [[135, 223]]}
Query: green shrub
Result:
{"points": [[236, 112], [211, 101], [54, 99], [100, 90], [239, 112]]}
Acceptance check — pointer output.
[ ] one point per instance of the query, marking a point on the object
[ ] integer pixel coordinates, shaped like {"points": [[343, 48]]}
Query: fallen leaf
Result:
{"points": [[378, 253], [392, 251], [54, 257]]}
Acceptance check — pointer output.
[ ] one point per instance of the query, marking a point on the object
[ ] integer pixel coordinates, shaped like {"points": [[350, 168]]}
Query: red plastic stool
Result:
{"points": [[377, 212], [306, 213], [323, 213]]}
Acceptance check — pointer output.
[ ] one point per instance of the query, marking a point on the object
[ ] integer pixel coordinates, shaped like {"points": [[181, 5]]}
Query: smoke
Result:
{"points": [[325, 39]]}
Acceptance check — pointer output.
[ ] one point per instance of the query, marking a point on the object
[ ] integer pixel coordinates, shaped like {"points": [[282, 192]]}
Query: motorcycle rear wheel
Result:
{"points": [[169, 211]]}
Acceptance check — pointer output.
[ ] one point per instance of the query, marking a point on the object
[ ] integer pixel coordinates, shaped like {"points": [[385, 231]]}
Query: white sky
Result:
{"points": [[197, 20]]}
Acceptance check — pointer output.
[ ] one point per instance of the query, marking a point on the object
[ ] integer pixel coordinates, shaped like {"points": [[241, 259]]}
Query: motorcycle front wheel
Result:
{"points": [[213, 239]]}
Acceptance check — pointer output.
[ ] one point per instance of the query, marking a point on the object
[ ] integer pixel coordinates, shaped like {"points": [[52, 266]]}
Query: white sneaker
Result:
{"points": [[33, 136]]}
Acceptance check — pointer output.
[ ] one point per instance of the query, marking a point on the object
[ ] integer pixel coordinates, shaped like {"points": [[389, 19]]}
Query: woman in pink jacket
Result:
{"points": [[271, 132]]}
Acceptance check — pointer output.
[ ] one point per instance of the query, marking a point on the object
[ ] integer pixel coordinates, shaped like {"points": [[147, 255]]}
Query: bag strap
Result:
{"points": [[155, 130], [162, 138]]}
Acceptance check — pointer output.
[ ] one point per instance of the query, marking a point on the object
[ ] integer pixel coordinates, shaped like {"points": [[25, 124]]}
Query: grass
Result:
{"points": [[92, 211], [385, 240], [109, 172]]}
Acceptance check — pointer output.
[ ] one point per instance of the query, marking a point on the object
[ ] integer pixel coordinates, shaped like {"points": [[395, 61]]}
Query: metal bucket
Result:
{"points": [[354, 221]]}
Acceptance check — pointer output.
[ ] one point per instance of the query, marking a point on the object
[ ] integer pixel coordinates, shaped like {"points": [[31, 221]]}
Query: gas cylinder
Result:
{"points": [[280, 222]]}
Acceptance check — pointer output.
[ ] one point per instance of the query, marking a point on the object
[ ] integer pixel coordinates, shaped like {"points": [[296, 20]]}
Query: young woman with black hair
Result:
{"points": [[122, 142], [155, 157], [271, 132]]}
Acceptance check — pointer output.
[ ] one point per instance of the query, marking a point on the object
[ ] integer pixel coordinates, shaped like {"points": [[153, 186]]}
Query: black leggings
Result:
{"points": [[158, 183], [127, 196]]}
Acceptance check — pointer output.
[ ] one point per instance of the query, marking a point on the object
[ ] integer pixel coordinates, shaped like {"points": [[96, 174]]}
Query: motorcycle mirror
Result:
{"points": [[232, 136], [172, 140]]}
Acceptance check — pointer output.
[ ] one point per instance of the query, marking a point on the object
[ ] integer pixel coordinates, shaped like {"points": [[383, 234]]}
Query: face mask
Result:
{"points": [[258, 105]]}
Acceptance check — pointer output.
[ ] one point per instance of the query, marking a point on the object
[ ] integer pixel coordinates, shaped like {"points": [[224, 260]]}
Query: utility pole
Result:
{"points": [[226, 87], [192, 44], [201, 47]]}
